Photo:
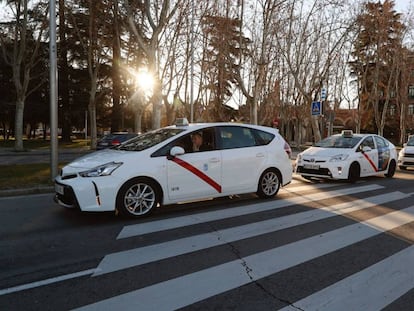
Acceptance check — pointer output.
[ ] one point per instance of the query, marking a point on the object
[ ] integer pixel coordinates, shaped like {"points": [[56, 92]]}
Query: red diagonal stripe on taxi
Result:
{"points": [[370, 162], [198, 173]]}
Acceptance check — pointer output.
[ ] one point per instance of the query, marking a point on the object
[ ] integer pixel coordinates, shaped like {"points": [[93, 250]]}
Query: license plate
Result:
{"points": [[59, 189], [311, 166]]}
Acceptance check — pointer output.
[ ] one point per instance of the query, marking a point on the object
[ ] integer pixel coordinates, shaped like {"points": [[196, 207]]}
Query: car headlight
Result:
{"points": [[339, 157], [101, 170]]}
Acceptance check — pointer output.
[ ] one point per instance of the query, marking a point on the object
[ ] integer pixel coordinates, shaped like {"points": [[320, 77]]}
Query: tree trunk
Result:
{"points": [[138, 121], [315, 129], [18, 125], [63, 76], [116, 123], [156, 106], [92, 121]]}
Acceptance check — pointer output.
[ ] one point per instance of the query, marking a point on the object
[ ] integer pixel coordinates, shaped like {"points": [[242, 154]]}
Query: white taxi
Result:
{"points": [[406, 154], [161, 167], [348, 156]]}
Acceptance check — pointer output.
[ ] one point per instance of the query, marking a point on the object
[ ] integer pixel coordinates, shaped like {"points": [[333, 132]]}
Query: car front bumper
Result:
{"points": [[334, 170], [86, 194], [406, 160]]}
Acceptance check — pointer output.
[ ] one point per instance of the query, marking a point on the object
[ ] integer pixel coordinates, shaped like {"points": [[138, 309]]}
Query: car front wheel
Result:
{"points": [[137, 197], [269, 184], [354, 172]]}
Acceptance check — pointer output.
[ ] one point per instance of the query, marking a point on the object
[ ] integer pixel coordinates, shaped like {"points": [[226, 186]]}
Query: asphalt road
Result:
{"points": [[325, 246]]}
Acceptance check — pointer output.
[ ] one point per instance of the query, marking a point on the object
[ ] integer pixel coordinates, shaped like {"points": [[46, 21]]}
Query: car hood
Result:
{"points": [[408, 149], [324, 152], [93, 159]]}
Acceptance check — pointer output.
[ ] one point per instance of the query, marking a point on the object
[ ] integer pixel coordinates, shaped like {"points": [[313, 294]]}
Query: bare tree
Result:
{"points": [[156, 14], [25, 35], [93, 43], [313, 34]]}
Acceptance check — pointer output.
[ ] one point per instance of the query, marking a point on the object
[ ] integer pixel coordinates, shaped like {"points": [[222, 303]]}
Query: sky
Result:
{"points": [[403, 5]]}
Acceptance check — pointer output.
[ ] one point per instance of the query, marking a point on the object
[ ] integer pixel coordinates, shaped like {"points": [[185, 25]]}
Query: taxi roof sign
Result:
{"points": [[181, 122], [347, 133]]}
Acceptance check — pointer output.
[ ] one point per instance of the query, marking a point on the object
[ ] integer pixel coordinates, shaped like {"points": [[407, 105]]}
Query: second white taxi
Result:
{"points": [[348, 156], [406, 154], [183, 162]]}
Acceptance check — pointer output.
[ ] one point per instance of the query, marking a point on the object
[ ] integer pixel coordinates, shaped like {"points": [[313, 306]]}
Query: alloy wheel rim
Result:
{"points": [[139, 199]]}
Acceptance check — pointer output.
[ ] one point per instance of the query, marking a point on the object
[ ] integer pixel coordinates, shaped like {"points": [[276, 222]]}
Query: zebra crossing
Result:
{"points": [[303, 239], [387, 280]]}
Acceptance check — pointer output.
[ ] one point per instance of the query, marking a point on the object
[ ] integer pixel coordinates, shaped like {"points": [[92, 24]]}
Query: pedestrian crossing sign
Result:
{"points": [[316, 108]]}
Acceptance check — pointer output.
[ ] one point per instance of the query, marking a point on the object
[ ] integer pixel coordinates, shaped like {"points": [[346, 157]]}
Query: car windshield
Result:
{"points": [[149, 139], [410, 141], [339, 141]]}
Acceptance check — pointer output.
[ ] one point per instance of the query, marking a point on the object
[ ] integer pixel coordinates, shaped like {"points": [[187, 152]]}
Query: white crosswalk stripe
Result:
{"points": [[171, 294], [393, 276], [139, 256], [179, 222]]}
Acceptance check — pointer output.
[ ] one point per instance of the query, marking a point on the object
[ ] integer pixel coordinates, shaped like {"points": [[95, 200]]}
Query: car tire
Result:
{"points": [[137, 197], [391, 169], [354, 172], [269, 184]]}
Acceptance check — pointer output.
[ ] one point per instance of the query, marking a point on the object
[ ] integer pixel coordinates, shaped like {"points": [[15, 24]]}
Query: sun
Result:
{"points": [[143, 79]]}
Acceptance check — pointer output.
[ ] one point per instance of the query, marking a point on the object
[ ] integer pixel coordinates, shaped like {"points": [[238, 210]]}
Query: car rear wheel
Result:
{"points": [[137, 197], [354, 172], [269, 184], [391, 169]]}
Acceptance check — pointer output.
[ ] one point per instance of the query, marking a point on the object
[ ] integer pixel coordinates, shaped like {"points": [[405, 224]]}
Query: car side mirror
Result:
{"points": [[176, 150], [404, 145], [366, 149]]}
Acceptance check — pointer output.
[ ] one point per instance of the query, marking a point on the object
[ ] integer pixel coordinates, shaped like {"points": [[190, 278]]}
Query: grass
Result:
{"points": [[34, 174], [25, 175]]}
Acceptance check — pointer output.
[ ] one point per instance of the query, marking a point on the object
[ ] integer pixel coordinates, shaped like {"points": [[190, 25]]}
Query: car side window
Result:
{"points": [[236, 137], [381, 143], [205, 137], [367, 142], [262, 138]]}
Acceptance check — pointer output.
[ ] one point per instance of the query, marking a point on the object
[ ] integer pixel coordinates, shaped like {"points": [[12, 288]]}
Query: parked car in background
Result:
{"points": [[348, 156], [406, 154], [179, 163], [114, 139]]}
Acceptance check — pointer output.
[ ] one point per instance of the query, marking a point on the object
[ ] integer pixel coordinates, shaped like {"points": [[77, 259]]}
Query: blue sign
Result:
{"points": [[316, 108]]}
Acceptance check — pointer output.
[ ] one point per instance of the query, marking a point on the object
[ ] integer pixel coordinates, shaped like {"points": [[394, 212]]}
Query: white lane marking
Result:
{"points": [[178, 222], [46, 282], [370, 289], [191, 288], [142, 255]]}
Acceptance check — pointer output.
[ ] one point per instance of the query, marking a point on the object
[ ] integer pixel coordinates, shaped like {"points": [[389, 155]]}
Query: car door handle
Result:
{"points": [[259, 155], [214, 160]]}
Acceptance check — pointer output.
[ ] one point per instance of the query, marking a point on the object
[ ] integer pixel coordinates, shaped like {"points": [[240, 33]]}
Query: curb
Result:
{"points": [[23, 191]]}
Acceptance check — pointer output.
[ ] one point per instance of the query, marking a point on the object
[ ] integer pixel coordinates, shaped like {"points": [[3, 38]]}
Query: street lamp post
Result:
{"points": [[53, 91]]}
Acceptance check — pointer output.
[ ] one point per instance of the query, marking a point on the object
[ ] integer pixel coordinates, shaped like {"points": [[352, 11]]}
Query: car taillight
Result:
{"points": [[116, 142], [288, 150]]}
